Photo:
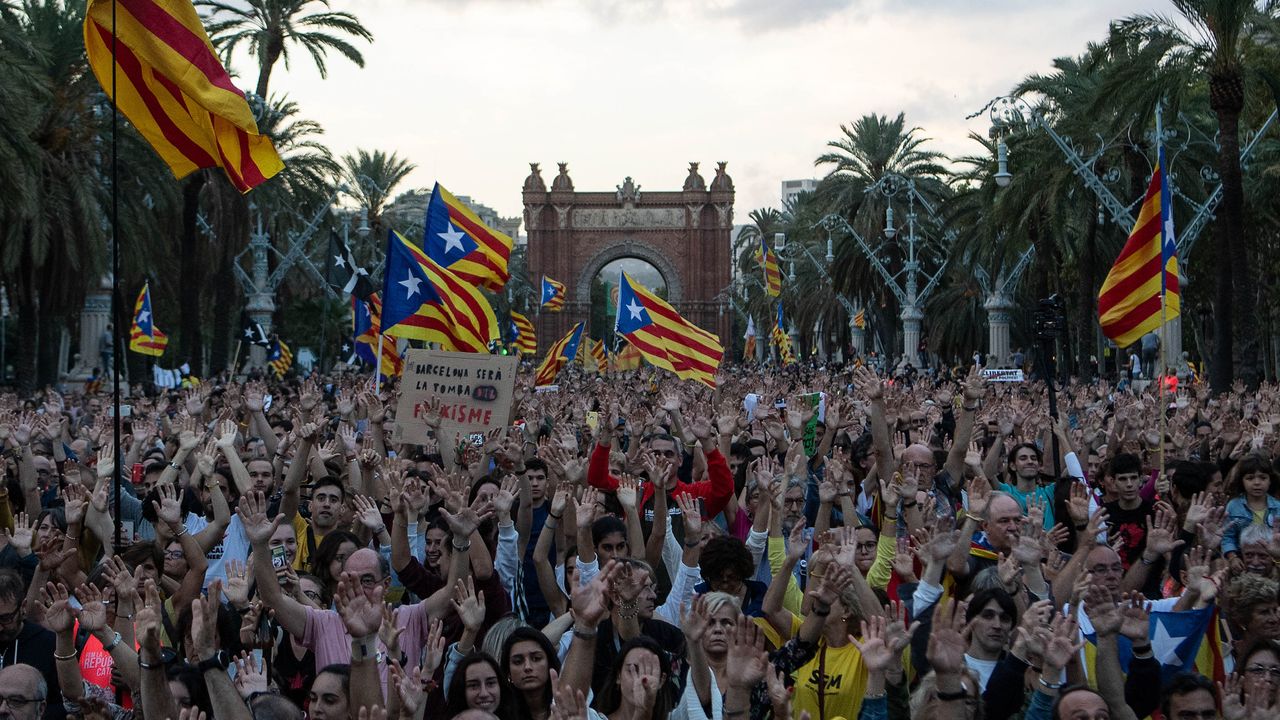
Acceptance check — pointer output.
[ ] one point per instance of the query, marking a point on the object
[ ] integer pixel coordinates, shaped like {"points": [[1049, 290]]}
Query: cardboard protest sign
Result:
{"points": [[474, 392]]}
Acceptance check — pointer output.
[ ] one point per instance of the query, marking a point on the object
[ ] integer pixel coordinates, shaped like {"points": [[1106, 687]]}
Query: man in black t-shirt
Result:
{"points": [[1127, 516]]}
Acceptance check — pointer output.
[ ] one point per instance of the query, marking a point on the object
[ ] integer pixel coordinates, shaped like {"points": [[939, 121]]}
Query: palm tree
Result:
{"points": [[1210, 41], [371, 176], [270, 27]]}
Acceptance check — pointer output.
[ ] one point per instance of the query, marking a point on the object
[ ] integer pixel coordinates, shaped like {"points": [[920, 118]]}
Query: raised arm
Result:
{"points": [[223, 695], [544, 568], [870, 386], [293, 479], [590, 607], [291, 614], [974, 390], [169, 514]]}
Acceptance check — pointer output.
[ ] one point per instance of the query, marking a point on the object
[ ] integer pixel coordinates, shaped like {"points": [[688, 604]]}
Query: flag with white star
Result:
{"points": [[663, 336], [457, 239], [1183, 641], [424, 301], [252, 333], [343, 272], [144, 337]]}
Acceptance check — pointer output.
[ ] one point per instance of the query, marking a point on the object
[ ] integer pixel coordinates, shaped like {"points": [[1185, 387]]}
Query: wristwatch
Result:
{"points": [[220, 660]]}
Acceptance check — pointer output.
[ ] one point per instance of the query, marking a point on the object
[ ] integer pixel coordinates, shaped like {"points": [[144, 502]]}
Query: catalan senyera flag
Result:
{"points": [[279, 358], [144, 337], [564, 350], [525, 337], [665, 338], [457, 239], [601, 357], [171, 86], [782, 340], [1142, 291], [749, 338], [627, 358], [860, 319], [769, 263], [552, 295], [424, 301], [367, 319]]}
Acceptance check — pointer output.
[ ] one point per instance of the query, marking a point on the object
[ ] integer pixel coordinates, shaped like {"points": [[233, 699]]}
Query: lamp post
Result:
{"points": [[919, 251], [1009, 113], [790, 252]]}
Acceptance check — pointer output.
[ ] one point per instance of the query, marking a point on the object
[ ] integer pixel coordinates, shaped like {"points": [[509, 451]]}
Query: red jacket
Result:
{"points": [[714, 491]]}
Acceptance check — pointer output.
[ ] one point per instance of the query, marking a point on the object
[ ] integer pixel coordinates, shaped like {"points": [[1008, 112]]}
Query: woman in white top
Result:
{"points": [[708, 625]]}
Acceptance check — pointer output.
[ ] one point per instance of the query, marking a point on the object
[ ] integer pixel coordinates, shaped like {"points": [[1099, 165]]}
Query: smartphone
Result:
{"points": [[477, 439], [136, 473], [593, 419], [125, 410], [279, 561]]}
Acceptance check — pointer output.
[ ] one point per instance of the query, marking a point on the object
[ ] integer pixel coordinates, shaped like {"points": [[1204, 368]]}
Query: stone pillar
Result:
{"points": [[94, 317], [911, 317], [859, 337], [998, 306], [262, 305]]}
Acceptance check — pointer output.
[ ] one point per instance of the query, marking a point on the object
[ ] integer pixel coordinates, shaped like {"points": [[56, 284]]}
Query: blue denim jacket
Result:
{"points": [[1239, 517]]}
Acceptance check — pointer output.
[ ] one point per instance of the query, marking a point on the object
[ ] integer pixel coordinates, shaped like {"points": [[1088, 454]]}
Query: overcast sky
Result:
{"points": [[471, 91]]}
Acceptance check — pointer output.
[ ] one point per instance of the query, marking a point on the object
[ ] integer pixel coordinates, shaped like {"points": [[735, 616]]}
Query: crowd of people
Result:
{"points": [[812, 542]]}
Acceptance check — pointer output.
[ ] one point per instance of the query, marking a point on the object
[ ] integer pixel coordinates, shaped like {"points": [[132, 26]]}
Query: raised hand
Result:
{"points": [[467, 519], [253, 515], [360, 616], [58, 615], [169, 509], [1135, 621], [251, 675], [694, 618], [569, 704], [366, 510], [469, 604], [1064, 642], [1162, 531], [116, 572], [949, 639], [692, 516], [979, 491], [640, 682], [746, 662], [589, 601], [627, 492], [23, 533], [1078, 504], [93, 611], [876, 652]]}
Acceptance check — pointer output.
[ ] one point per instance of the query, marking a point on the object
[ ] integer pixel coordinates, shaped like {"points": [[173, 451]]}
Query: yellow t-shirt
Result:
{"points": [[302, 563], [1259, 516], [842, 689]]}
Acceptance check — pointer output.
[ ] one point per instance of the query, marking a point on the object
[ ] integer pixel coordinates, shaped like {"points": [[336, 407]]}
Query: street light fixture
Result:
{"points": [[889, 230], [1002, 176]]}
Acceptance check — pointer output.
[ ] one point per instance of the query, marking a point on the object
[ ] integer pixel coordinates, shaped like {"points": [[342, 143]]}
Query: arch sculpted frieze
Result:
{"points": [[627, 217]]}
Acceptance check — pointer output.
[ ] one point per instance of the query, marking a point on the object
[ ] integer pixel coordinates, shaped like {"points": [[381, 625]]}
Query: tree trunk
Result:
{"points": [[49, 334], [273, 51], [193, 275], [1088, 296], [1226, 99], [24, 366], [1243, 354]]}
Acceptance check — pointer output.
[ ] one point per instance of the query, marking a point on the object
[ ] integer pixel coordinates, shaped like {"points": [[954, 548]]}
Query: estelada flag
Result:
{"points": [[171, 86], [628, 358], [144, 337], [1145, 276], [769, 263], [457, 239], [600, 356], [564, 350], [524, 336], [665, 338], [552, 294], [424, 301], [367, 319]]}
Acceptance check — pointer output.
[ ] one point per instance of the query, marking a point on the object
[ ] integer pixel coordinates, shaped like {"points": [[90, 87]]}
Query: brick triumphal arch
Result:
{"points": [[685, 234]]}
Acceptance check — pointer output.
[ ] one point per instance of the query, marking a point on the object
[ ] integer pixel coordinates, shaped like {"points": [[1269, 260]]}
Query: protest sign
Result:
{"points": [[474, 392], [1002, 375]]}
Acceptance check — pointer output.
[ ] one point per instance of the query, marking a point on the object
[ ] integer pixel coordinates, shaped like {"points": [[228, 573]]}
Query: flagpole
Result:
{"points": [[116, 306], [235, 359], [377, 368], [1164, 316]]}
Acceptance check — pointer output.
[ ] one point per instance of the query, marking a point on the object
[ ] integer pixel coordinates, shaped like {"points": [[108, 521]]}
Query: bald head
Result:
{"points": [[918, 458], [1105, 565], [26, 683]]}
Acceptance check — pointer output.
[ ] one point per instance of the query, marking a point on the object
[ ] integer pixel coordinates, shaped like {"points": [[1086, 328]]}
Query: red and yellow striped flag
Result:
{"points": [[665, 338], [526, 341], [560, 353], [601, 357], [769, 263], [171, 86], [628, 358], [144, 337], [1145, 276]]}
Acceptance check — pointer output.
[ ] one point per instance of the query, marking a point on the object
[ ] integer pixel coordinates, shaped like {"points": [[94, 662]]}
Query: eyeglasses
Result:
{"points": [[9, 618], [797, 502], [316, 596], [17, 702], [919, 466], [175, 555], [1103, 569], [369, 581], [1263, 670]]}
